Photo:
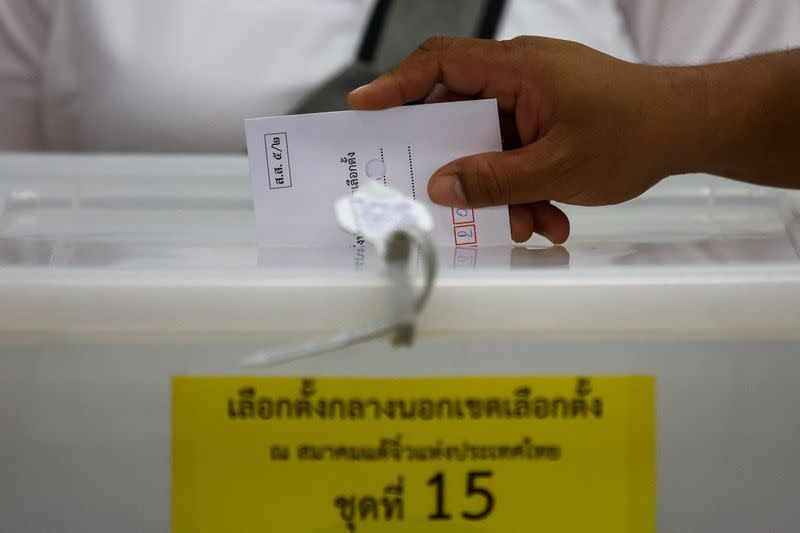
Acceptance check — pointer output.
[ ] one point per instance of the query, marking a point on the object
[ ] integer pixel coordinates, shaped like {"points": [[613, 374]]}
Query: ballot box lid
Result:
{"points": [[96, 247]]}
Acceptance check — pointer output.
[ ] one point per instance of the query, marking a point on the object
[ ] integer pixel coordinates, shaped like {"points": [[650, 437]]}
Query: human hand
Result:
{"points": [[579, 127]]}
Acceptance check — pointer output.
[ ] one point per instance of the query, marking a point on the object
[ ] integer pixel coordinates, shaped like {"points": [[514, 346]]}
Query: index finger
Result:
{"points": [[460, 64]]}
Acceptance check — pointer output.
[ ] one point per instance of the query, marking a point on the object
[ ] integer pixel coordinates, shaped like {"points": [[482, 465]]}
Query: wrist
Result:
{"points": [[692, 120], [728, 119]]}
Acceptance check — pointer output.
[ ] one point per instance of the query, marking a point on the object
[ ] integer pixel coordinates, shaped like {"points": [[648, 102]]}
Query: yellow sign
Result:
{"points": [[505, 454]]}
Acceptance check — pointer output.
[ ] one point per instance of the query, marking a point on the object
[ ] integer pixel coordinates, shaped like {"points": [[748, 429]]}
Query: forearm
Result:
{"points": [[739, 119]]}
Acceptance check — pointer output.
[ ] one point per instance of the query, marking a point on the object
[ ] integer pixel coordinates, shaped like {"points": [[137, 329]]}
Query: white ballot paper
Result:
{"points": [[301, 164]]}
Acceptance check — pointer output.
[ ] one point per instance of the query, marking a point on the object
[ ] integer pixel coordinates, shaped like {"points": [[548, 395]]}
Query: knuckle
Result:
{"points": [[436, 43], [520, 41], [491, 181], [520, 50], [510, 49], [527, 41], [398, 81]]}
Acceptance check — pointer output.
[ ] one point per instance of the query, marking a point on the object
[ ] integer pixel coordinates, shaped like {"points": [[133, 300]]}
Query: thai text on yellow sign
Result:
{"points": [[511, 454]]}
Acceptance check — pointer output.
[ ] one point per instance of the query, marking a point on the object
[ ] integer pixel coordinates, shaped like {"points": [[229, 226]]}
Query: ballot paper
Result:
{"points": [[301, 164]]}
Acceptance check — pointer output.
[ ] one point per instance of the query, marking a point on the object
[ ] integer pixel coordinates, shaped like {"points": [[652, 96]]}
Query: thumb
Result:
{"points": [[492, 178]]}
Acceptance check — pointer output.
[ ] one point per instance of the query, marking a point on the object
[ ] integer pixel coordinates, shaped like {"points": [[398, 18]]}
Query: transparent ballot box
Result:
{"points": [[119, 272]]}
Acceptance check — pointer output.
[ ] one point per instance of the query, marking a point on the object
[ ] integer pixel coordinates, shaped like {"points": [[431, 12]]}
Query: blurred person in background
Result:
{"points": [[180, 75]]}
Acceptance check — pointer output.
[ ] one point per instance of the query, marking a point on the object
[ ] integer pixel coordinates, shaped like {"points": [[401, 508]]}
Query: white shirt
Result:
{"points": [[180, 75]]}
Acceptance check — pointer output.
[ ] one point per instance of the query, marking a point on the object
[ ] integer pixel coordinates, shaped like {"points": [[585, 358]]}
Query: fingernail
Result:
{"points": [[436, 94], [359, 89], [447, 190]]}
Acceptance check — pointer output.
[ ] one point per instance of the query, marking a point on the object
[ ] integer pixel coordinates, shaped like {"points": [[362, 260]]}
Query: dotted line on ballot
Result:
{"points": [[411, 169], [384, 168]]}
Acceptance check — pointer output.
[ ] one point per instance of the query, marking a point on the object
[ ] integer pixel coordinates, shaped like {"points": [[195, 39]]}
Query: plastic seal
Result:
{"points": [[396, 226]]}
